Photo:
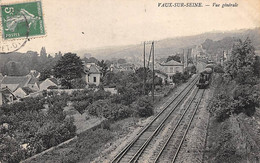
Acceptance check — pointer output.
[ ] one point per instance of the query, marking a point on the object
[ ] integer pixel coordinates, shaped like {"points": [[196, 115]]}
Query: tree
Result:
{"points": [[69, 67], [257, 66], [46, 73], [78, 83], [103, 66], [43, 53], [121, 61], [13, 70], [144, 107], [241, 65], [90, 60], [174, 57]]}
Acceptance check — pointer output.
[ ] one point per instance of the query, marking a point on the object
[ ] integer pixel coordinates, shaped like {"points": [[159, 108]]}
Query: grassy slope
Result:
{"points": [[233, 140]]}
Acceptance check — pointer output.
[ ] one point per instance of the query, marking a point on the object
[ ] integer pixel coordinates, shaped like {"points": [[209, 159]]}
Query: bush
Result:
{"points": [[92, 86], [81, 95], [246, 99], [219, 69], [143, 107], [80, 106], [78, 83], [222, 106], [28, 124], [179, 78]]}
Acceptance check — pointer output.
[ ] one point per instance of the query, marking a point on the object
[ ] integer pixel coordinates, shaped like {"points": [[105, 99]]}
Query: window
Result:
{"points": [[171, 69], [95, 79], [177, 69]]}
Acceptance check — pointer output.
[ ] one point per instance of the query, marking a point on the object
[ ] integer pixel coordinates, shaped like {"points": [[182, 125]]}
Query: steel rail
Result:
{"points": [[120, 155], [187, 129], [140, 151], [175, 128]]}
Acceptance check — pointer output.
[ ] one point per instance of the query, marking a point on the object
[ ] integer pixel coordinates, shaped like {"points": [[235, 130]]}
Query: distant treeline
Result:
{"points": [[18, 64]]}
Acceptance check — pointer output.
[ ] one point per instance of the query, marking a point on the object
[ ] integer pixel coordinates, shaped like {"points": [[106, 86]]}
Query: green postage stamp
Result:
{"points": [[22, 20]]}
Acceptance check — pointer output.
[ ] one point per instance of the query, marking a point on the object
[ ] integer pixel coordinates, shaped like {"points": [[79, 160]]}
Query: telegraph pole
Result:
{"points": [[144, 71], [153, 72], [196, 63], [223, 55], [183, 57], [149, 57]]}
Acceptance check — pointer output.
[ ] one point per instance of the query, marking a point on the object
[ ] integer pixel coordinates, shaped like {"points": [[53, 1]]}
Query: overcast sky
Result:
{"points": [[122, 22]]}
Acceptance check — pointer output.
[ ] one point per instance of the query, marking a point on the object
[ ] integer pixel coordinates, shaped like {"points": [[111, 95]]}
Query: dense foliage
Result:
{"points": [[68, 68], [37, 123], [240, 90], [179, 78], [19, 64], [176, 58]]}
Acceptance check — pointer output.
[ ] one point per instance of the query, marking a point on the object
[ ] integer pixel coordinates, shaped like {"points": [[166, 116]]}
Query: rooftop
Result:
{"points": [[54, 80], [92, 68], [27, 90], [171, 63], [21, 80]]}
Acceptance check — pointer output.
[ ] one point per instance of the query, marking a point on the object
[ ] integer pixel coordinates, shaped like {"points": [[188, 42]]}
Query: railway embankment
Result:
{"points": [[232, 136], [112, 148], [102, 144]]}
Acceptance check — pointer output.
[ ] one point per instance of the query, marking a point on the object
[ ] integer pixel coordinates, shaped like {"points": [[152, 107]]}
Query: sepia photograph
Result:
{"points": [[130, 81]]}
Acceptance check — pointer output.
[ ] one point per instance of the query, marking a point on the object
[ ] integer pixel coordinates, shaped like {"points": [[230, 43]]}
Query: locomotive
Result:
{"points": [[205, 78]]}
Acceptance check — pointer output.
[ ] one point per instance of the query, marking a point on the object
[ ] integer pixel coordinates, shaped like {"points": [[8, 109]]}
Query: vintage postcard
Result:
{"points": [[129, 81]]}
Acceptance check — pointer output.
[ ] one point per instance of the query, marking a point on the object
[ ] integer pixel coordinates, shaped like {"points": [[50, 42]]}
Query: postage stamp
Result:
{"points": [[22, 20]]}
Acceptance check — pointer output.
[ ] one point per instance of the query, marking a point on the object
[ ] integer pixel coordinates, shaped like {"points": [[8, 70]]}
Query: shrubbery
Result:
{"points": [[28, 124], [179, 78], [109, 110], [240, 91], [81, 106], [143, 107]]}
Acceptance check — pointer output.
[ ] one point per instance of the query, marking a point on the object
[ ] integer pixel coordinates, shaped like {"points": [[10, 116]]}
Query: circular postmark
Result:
{"points": [[10, 46]]}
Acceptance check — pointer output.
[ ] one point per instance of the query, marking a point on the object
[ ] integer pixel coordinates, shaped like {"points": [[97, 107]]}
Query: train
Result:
{"points": [[205, 77]]}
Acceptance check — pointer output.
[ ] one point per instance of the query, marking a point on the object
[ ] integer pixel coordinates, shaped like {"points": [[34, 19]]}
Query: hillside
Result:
{"points": [[166, 47]]}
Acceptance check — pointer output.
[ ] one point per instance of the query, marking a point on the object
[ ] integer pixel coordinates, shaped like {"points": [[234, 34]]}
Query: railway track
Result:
{"points": [[173, 145], [134, 149]]}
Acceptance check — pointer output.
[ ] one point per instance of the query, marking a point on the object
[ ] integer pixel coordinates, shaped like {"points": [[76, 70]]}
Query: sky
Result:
{"points": [[74, 25]]}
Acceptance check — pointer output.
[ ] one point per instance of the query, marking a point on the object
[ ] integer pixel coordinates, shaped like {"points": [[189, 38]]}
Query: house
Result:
{"points": [[15, 82], [127, 68], [22, 92], [48, 82], [6, 96], [161, 75], [34, 74], [33, 83], [92, 74], [171, 67]]}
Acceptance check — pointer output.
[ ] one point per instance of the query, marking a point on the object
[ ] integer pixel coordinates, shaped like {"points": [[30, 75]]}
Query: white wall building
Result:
{"points": [[171, 68], [93, 74]]}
